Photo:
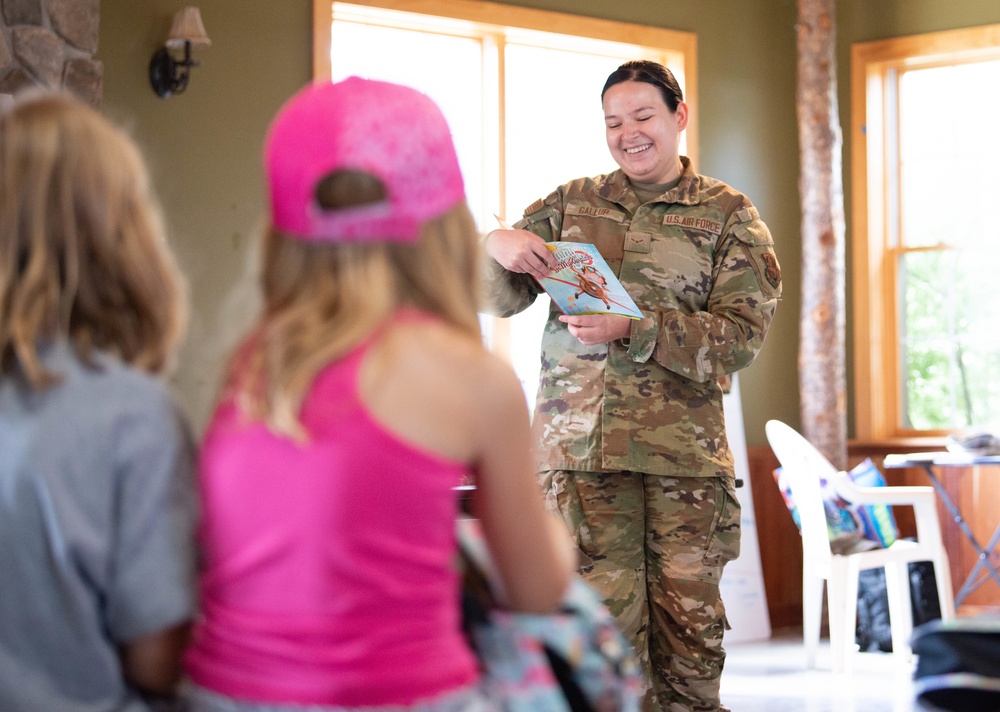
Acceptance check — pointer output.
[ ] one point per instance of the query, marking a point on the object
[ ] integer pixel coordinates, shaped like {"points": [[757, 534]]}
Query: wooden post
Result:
{"points": [[822, 348]]}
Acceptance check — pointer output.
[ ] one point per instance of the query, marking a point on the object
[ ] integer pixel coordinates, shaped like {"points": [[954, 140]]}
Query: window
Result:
{"points": [[925, 178], [521, 91]]}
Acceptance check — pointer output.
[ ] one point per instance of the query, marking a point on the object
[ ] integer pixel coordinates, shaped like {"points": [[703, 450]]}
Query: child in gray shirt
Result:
{"points": [[96, 502]]}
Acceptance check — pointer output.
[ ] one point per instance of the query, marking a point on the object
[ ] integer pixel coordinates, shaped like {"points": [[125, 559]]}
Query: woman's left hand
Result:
{"points": [[591, 329]]}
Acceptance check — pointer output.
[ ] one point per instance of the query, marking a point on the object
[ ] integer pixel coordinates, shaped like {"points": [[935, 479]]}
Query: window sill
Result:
{"points": [[886, 446]]}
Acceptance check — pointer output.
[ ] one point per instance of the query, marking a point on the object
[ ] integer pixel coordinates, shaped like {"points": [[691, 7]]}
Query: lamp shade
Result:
{"points": [[187, 27]]}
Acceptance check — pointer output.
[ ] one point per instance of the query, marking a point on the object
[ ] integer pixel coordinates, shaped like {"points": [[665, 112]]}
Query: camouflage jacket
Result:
{"points": [[700, 264]]}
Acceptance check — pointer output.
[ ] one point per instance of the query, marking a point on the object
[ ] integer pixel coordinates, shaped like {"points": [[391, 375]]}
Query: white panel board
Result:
{"points": [[743, 579]]}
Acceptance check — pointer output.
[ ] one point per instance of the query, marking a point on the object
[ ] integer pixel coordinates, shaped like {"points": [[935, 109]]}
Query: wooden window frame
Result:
{"points": [[498, 15], [877, 382]]}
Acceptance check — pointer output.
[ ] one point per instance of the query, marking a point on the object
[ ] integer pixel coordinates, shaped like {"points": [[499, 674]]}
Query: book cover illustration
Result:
{"points": [[583, 283]]}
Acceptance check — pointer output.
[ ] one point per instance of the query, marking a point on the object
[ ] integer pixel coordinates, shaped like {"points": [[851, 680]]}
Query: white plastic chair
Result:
{"points": [[804, 465]]}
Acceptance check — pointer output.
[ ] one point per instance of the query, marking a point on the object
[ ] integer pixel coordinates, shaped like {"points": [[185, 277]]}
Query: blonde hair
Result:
{"points": [[322, 299], [83, 255]]}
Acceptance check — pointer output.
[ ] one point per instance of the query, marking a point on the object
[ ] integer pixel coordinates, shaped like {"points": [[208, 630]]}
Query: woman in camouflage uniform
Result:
{"points": [[629, 430]]}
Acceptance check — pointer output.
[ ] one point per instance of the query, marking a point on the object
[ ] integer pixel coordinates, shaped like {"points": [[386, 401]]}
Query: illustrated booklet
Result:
{"points": [[582, 282]]}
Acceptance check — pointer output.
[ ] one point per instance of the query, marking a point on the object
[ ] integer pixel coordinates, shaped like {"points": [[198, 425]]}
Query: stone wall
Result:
{"points": [[51, 43]]}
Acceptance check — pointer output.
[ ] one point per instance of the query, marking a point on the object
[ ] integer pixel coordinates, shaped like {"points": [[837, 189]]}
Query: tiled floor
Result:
{"points": [[772, 677]]}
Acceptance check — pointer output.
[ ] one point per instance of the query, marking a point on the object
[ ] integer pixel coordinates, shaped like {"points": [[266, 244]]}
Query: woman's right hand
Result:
{"points": [[520, 251]]}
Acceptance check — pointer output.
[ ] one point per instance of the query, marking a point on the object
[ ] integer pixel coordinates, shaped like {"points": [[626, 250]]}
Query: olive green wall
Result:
{"points": [[203, 147]]}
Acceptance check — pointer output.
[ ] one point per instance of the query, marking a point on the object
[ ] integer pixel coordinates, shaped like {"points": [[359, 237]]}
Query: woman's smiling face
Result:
{"points": [[643, 134]]}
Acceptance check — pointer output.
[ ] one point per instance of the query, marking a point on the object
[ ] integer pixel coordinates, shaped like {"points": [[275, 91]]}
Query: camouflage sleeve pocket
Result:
{"points": [[541, 218], [755, 239], [642, 339]]}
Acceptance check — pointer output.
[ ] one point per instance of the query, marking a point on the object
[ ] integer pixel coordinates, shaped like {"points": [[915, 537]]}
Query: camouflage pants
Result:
{"points": [[654, 547]]}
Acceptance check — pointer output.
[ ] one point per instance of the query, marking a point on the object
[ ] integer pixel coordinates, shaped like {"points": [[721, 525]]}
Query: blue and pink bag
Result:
{"points": [[572, 660]]}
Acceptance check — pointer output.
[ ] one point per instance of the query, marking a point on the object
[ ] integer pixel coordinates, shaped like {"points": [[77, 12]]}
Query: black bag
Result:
{"points": [[873, 630], [958, 665]]}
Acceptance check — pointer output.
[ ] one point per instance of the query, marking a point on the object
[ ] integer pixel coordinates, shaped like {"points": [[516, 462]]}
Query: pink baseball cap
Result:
{"points": [[393, 132]]}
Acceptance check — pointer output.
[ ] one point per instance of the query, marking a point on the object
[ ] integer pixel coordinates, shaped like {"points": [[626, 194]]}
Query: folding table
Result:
{"points": [[928, 461]]}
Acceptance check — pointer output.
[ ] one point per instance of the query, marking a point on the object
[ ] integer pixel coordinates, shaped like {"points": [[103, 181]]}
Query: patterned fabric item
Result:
{"points": [[877, 521], [846, 522], [840, 517], [573, 660]]}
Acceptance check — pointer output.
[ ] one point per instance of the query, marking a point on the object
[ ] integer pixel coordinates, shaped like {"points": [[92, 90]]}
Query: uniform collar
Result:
{"points": [[616, 188]]}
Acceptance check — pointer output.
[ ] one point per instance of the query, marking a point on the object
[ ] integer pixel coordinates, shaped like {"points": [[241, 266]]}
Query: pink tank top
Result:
{"points": [[328, 574]]}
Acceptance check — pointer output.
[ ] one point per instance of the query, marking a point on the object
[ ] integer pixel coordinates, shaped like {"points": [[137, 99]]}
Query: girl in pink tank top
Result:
{"points": [[360, 400]]}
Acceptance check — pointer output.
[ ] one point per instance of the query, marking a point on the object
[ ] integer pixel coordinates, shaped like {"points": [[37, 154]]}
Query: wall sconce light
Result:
{"points": [[167, 74]]}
